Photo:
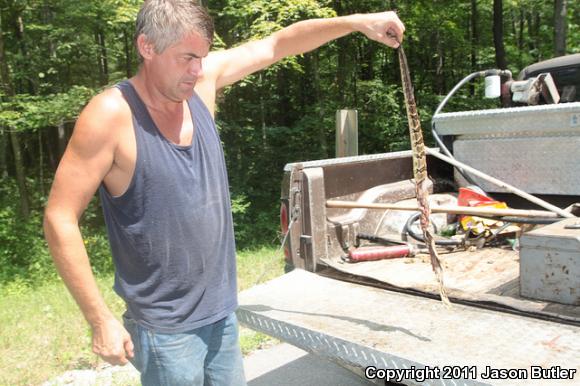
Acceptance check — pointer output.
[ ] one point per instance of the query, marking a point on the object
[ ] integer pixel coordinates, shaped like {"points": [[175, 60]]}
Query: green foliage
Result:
{"points": [[24, 255], [58, 53], [25, 112]]}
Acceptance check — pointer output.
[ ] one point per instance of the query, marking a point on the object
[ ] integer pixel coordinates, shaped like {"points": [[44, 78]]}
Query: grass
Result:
{"points": [[43, 334], [255, 267]]}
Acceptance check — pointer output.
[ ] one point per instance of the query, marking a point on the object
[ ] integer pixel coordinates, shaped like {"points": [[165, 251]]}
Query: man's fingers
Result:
{"points": [[129, 348], [114, 358], [395, 33], [391, 39], [385, 27], [120, 360], [112, 342]]}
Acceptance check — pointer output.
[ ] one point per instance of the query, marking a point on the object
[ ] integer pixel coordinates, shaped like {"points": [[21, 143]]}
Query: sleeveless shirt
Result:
{"points": [[171, 231]]}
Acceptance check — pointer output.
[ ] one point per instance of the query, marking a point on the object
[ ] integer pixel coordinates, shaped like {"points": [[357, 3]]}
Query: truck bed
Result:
{"points": [[358, 326], [487, 277]]}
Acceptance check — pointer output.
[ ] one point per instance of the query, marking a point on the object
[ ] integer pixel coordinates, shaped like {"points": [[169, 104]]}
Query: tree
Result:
{"points": [[474, 40], [500, 57], [560, 27]]}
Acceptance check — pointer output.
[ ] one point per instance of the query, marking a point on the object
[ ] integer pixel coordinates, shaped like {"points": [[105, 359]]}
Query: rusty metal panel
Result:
{"points": [[550, 263], [361, 159], [313, 238], [488, 275]]}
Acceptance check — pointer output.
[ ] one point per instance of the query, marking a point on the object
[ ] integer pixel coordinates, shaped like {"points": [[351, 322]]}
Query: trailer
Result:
{"points": [[375, 309]]}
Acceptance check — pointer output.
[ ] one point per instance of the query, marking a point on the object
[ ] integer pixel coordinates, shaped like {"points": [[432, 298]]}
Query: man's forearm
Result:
{"points": [[70, 257], [234, 64], [304, 36], [307, 35]]}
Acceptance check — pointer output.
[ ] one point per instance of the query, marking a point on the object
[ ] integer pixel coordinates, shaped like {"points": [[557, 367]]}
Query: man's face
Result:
{"points": [[175, 71]]}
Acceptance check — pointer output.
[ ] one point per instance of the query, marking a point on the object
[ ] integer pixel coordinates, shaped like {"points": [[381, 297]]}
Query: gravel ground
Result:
{"points": [[105, 375], [280, 364]]}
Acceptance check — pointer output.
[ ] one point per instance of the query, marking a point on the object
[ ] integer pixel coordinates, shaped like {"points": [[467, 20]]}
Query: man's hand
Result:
{"points": [[384, 27], [112, 342]]}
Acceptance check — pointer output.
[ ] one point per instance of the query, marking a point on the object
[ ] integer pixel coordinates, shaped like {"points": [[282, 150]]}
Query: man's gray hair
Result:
{"points": [[165, 22]]}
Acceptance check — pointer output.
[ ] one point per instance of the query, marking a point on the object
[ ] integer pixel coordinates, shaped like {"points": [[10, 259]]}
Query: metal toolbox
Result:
{"points": [[550, 263], [535, 148]]}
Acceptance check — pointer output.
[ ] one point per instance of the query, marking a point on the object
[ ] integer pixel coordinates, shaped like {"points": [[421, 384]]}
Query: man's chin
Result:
{"points": [[184, 93]]}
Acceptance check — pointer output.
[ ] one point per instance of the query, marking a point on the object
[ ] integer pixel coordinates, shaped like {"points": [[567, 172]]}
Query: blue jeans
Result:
{"points": [[208, 356]]}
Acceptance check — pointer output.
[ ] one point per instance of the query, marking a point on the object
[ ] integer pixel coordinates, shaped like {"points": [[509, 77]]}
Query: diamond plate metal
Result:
{"points": [[547, 164], [528, 119], [360, 326], [347, 354], [532, 148]]}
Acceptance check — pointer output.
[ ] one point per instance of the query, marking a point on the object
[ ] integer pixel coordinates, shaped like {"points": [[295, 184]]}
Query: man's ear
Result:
{"points": [[145, 47]]}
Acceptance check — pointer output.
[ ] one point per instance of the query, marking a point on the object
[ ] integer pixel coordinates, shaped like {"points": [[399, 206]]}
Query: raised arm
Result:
{"points": [[229, 66], [88, 158]]}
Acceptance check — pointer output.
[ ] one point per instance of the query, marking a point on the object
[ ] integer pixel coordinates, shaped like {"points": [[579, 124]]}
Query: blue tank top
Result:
{"points": [[171, 232]]}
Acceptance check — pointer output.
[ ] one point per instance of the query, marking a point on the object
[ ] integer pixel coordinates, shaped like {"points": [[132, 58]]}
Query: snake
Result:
{"points": [[420, 169]]}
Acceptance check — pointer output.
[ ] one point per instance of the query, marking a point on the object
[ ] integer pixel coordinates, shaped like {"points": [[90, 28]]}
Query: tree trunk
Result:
{"points": [[51, 149], [474, 35], [7, 89], [62, 140], [20, 175], [262, 111], [533, 20], [500, 59], [560, 27], [439, 72], [48, 17], [3, 154], [41, 163], [321, 131], [25, 61], [521, 37], [367, 54], [341, 68], [102, 58], [4, 72], [127, 47]]}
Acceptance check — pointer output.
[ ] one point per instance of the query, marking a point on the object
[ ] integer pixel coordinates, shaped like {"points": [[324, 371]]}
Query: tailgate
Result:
{"points": [[358, 326]]}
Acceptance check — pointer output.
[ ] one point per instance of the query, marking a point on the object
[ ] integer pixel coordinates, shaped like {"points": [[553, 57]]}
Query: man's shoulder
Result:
{"points": [[109, 104], [106, 114]]}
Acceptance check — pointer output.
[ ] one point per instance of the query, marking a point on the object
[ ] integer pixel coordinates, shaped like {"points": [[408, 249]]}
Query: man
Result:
{"points": [[149, 145]]}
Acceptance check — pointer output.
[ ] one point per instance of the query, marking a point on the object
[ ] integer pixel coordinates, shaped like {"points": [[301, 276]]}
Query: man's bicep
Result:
{"points": [[77, 179], [87, 159]]}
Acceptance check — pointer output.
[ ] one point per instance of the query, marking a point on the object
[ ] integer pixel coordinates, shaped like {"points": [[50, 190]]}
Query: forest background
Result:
{"points": [[56, 54]]}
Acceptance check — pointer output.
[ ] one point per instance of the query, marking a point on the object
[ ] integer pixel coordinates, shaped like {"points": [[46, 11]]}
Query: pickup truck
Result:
{"points": [[515, 294]]}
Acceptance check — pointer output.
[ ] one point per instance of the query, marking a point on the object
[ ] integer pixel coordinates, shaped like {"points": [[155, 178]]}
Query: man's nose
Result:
{"points": [[195, 67]]}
